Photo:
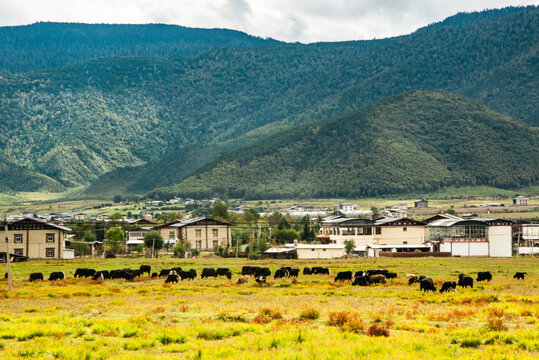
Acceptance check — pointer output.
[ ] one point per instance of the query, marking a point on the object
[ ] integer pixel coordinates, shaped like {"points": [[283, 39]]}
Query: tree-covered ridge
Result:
{"points": [[14, 179], [420, 141], [77, 123], [45, 45]]}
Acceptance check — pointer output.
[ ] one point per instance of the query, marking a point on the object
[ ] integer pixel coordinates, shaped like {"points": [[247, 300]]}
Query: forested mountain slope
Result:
{"points": [[76, 123], [45, 45], [420, 141]]}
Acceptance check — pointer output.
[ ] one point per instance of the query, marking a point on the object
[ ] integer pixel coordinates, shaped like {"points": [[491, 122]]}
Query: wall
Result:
{"points": [[500, 239], [394, 235], [320, 253], [34, 243], [207, 239]]}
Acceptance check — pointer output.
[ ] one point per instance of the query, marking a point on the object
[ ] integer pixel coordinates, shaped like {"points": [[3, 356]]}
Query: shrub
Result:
{"points": [[310, 313], [470, 343], [266, 315], [226, 317], [346, 321], [378, 330], [496, 324], [338, 318], [166, 339]]}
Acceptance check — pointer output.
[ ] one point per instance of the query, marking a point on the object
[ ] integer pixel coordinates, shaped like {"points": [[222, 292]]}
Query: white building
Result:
{"points": [[473, 237], [394, 213], [520, 200], [306, 251], [345, 207]]}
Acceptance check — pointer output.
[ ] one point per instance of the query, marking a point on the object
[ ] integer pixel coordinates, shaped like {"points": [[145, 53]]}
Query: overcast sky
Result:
{"points": [[288, 20]]}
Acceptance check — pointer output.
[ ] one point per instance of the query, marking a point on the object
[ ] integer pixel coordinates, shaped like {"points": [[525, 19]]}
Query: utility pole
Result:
{"points": [[8, 258]]}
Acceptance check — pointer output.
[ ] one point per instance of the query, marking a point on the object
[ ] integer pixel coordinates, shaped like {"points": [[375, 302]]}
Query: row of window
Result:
{"points": [[356, 231], [17, 238], [198, 233], [49, 252]]}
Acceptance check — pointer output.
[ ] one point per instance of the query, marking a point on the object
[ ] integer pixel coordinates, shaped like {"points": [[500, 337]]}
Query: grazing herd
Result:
{"points": [[260, 274]]}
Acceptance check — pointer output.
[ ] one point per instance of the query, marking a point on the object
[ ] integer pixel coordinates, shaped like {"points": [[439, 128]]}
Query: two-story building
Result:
{"points": [[35, 239], [383, 231], [203, 234]]}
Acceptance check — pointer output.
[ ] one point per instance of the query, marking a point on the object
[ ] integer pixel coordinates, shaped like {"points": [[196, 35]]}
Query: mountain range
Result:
{"points": [[129, 108], [416, 142]]}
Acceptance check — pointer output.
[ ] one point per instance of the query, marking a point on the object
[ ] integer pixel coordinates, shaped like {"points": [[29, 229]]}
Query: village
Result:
{"points": [[295, 232]]}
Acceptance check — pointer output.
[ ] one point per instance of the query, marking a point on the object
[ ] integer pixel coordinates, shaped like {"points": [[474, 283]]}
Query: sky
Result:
{"points": [[287, 20]]}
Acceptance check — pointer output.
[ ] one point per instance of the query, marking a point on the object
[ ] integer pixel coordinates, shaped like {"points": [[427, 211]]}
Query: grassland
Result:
{"points": [[311, 318]]}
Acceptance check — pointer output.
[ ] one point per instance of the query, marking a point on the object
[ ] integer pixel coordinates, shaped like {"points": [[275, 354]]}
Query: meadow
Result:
{"points": [[309, 318]]}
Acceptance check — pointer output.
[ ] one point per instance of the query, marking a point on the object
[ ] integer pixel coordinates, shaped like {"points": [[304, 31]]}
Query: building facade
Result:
{"points": [[384, 231], [473, 237], [421, 203], [203, 234], [520, 201], [36, 239]]}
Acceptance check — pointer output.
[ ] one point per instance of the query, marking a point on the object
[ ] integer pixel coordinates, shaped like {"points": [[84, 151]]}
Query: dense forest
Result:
{"points": [[46, 45], [152, 121], [420, 141]]}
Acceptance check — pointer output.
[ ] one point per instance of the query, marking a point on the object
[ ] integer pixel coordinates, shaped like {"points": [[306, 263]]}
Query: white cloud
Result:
{"points": [[288, 20]]}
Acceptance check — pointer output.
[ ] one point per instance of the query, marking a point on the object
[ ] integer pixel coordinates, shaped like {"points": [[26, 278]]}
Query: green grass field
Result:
{"points": [[311, 318]]}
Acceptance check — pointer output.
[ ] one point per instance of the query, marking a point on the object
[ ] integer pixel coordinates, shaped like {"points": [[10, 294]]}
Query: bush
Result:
{"points": [[346, 321], [167, 339], [266, 315], [181, 248], [226, 317], [470, 343], [310, 313], [378, 330]]}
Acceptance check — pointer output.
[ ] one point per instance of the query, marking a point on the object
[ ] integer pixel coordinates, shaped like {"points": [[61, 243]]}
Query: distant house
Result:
{"points": [[345, 207], [36, 239], [394, 213], [401, 206], [80, 217], [421, 203], [203, 234], [520, 201]]}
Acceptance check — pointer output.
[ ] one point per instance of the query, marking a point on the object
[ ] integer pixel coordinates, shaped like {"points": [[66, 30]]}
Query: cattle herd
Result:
{"points": [[260, 274]]}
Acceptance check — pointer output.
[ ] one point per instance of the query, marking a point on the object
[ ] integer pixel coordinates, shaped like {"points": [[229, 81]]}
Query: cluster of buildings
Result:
{"points": [[393, 236], [44, 236]]}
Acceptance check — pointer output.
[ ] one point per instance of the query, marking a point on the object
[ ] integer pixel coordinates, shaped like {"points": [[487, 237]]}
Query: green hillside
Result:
{"points": [[158, 120], [14, 179], [45, 45], [420, 141]]}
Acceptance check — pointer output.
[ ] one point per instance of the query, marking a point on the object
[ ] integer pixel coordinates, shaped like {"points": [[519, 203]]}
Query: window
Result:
{"points": [[49, 252], [18, 238], [215, 244], [378, 230], [18, 251], [199, 244], [50, 238], [215, 232], [171, 234], [404, 229], [405, 242], [312, 249], [198, 233]]}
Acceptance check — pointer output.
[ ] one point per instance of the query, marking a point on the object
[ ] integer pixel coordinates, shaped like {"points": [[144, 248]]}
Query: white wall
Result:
{"points": [[500, 241], [320, 253]]}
